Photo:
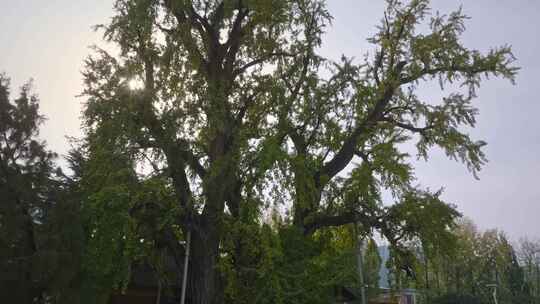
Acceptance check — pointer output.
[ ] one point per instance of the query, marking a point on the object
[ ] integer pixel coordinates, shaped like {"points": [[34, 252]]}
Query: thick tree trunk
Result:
{"points": [[204, 280], [307, 196]]}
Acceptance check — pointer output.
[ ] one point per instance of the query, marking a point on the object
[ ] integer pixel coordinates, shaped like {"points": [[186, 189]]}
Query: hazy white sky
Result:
{"points": [[48, 40]]}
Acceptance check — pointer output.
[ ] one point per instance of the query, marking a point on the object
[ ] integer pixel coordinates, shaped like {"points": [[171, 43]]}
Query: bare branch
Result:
{"points": [[185, 31], [409, 127], [260, 60], [235, 37], [345, 154]]}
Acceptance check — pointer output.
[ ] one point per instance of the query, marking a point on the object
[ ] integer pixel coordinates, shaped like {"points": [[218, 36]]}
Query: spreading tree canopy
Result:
{"points": [[229, 108]]}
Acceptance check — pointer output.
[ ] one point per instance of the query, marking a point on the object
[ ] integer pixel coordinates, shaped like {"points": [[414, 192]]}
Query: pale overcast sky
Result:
{"points": [[48, 40]]}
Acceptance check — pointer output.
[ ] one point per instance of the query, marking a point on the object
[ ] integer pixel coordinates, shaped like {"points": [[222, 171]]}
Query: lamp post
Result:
{"points": [[186, 263], [494, 292]]}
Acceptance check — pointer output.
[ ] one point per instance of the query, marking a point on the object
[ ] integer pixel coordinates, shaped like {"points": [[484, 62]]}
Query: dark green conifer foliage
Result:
{"points": [[37, 261], [41, 233]]}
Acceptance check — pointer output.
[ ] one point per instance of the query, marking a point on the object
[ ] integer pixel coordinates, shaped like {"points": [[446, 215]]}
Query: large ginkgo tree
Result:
{"points": [[228, 108]]}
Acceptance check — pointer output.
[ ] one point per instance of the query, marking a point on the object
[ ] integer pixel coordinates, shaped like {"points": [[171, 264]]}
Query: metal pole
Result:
{"points": [[494, 292], [186, 263], [360, 264], [158, 297]]}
